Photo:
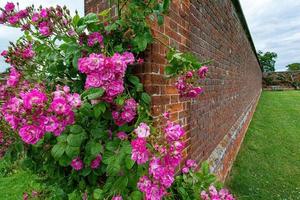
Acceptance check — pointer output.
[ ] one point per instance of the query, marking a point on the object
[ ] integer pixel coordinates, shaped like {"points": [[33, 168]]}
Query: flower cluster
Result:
{"points": [[162, 168], [189, 165], [77, 164], [140, 153], [19, 54], [214, 194], [14, 77], [126, 114], [32, 112], [187, 84], [143, 130], [46, 21], [106, 72], [95, 38]]}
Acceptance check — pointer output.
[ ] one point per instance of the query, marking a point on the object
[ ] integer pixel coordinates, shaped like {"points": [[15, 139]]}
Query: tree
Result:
{"points": [[267, 61], [293, 66]]}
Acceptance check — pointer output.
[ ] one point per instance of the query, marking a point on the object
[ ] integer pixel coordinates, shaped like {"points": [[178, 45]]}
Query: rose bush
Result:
{"points": [[78, 114]]}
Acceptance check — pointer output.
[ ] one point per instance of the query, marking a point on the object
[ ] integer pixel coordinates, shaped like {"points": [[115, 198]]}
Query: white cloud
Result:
{"points": [[11, 34], [275, 26]]}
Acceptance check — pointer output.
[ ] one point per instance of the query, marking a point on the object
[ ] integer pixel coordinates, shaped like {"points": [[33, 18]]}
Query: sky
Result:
{"points": [[275, 26], [11, 34]]}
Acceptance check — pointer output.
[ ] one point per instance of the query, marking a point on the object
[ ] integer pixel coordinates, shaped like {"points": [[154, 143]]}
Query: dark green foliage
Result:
{"points": [[189, 186], [267, 61], [293, 67]]}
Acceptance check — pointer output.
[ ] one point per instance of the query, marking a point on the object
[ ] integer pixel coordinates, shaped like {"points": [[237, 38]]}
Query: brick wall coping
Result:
{"points": [[243, 20]]}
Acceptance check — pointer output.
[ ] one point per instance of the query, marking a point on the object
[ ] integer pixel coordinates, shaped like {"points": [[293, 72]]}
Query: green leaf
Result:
{"points": [[75, 140], [129, 163], [112, 145], [65, 160], [77, 55], [99, 109], [146, 98], [142, 41], [126, 147], [119, 185], [57, 151], [108, 157], [105, 12], [72, 151], [136, 195], [205, 168], [160, 19], [134, 79], [96, 148], [75, 20], [62, 138], [90, 18], [139, 87], [113, 167], [86, 171], [93, 93], [166, 6], [76, 129], [97, 132], [169, 70], [120, 100], [111, 27], [98, 194]]}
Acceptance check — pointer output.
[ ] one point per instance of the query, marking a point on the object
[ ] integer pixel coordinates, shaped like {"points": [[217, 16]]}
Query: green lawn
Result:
{"points": [[14, 182], [268, 164]]}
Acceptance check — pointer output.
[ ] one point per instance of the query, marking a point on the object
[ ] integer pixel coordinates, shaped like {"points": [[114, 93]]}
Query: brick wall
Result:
{"points": [[216, 121]]}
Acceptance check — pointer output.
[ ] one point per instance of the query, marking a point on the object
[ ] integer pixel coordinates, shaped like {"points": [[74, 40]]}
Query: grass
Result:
{"points": [[14, 181], [268, 164]]}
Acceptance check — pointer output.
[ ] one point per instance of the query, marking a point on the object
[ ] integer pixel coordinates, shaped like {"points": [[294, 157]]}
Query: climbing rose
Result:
{"points": [[35, 17], [106, 72], [28, 53], [94, 38], [117, 198], [44, 29], [191, 163], [60, 106], [140, 153], [14, 77], [122, 135], [50, 123], [4, 53], [143, 130], [77, 164], [202, 72], [74, 100], [96, 162], [9, 6], [173, 131], [34, 98], [30, 134], [127, 113], [44, 13], [185, 170], [213, 194], [13, 20]]}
